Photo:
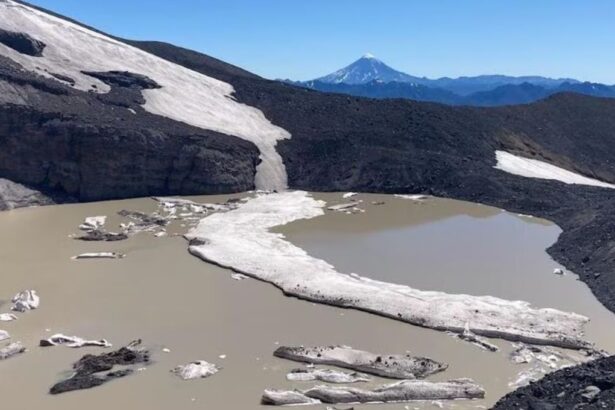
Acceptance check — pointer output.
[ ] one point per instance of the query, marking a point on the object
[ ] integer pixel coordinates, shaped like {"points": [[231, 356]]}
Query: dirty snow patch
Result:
{"points": [[185, 95], [533, 168]]}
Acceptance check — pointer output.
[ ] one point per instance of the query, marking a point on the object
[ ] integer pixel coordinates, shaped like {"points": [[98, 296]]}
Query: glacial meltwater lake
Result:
{"points": [[172, 300]]}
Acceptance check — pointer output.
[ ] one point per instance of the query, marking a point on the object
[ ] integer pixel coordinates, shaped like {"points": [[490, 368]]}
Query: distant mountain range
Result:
{"points": [[370, 77]]}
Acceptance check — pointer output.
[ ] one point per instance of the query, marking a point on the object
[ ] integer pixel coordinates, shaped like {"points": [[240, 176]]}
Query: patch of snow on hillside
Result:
{"points": [[240, 240], [532, 168], [185, 96]]}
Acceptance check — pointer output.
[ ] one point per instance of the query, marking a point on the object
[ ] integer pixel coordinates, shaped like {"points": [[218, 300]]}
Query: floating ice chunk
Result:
{"points": [[401, 391], [93, 222], [11, 350], [558, 271], [196, 370], [326, 375], [72, 341], [469, 336], [4, 335], [240, 240], [392, 366], [99, 255], [343, 207], [25, 300], [286, 398], [7, 317], [533, 168], [411, 197], [349, 195], [238, 276]]}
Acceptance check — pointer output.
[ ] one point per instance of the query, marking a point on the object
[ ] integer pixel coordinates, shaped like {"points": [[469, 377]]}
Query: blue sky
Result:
{"points": [[303, 39]]}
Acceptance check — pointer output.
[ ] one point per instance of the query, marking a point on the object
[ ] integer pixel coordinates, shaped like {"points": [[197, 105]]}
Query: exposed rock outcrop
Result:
{"points": [[124, 79], [94, 370], [587, 386], [22, 42], [14, 195]]}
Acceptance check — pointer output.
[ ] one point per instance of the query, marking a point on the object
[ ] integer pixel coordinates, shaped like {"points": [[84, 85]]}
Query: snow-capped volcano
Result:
{"points": [[365, 70]]}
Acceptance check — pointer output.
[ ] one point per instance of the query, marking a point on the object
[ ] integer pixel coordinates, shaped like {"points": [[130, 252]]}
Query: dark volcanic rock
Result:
{"points": [[102, 235], [588, 386], [90, 369], [75, 145], [124, 79], [64, 78], [22, 42], [14, 195]]}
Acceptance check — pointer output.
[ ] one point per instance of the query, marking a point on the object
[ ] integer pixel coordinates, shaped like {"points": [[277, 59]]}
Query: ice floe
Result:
{"points": [[72, 341], [7, 317], [196, 370], [533, 168], [4, 335], [326, 375], [416, 197], [25, 300], [240, 240], [401, 391], [386, 365], [11, 350], [99, 255]]}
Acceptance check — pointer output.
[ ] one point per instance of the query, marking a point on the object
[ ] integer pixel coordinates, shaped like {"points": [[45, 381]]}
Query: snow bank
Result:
{"points": [[240, 240], [185, 96], [532, 168]]}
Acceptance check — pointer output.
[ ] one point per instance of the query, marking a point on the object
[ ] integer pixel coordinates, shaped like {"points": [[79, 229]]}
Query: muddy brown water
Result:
{"points": [[172, 300]]}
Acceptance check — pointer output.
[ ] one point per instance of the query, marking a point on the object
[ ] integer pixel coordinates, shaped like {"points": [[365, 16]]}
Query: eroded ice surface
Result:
{"points": [[532, 168], [241, 240], [185, 95]]}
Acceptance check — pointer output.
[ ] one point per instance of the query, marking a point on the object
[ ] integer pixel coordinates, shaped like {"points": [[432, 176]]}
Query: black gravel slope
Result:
{"points": [[585, 387]]}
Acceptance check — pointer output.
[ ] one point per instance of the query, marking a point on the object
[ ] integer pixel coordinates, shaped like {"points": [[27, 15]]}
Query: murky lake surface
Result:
{"points": [[172, 300]]}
